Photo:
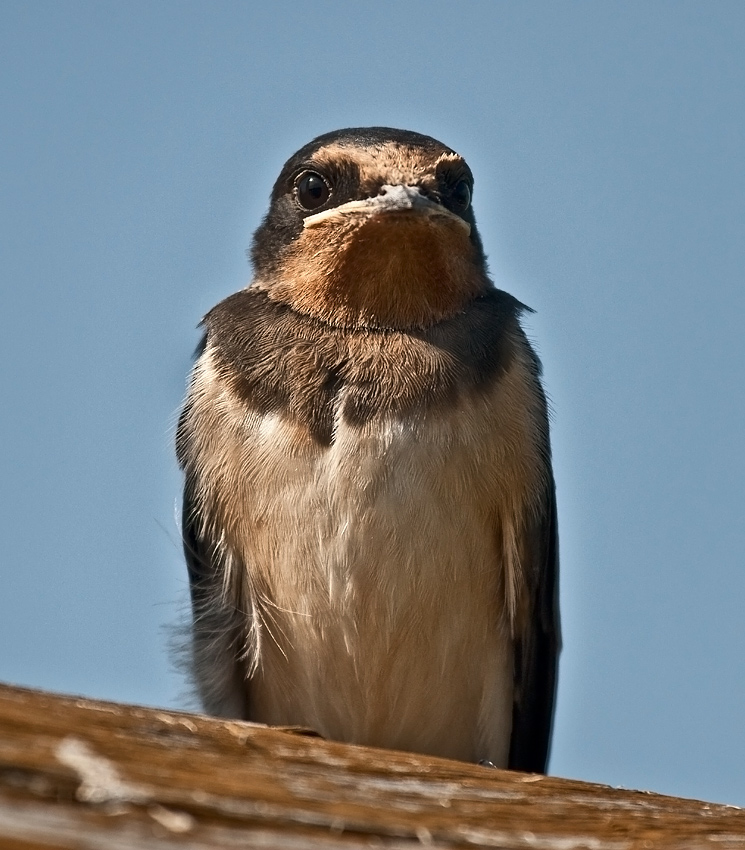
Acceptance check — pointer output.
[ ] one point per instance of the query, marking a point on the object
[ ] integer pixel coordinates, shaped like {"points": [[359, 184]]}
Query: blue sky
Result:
{"points": [[139, 145]]}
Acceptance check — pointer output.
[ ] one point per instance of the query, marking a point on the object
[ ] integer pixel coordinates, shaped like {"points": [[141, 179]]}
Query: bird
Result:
{"points": [[369, 512]]}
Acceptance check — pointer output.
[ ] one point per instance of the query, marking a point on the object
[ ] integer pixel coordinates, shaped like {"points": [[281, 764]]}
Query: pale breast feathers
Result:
{"points": [[335, 477]]}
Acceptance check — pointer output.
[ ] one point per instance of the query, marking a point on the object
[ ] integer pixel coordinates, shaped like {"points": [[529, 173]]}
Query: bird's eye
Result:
{"points": [[311, 190], [461, 195]]}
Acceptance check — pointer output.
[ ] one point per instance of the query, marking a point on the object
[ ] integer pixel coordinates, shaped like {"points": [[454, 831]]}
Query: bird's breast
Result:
{"points": [[379, 564], [376, 569]]}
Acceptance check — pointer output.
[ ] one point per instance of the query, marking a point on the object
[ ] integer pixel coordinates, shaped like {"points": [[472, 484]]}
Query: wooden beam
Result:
{"points": [[79, 773]]}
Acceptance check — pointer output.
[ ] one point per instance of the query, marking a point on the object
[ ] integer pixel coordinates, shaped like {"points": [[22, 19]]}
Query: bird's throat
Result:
{"points": [[398, 270]]}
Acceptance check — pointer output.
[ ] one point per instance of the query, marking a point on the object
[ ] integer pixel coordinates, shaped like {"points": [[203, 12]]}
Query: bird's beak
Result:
{"points": [[392, 199]]}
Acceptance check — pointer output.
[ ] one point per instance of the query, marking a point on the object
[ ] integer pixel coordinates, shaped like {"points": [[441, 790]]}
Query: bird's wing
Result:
{"points": [[218, 641], [537, 645]]}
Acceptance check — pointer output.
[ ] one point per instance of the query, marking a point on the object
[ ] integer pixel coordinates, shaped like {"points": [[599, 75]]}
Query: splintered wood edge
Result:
{"points": [[76, 772]]}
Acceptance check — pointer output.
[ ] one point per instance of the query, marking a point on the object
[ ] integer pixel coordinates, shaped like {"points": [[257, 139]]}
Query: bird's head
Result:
{"points": [[372, 227]]}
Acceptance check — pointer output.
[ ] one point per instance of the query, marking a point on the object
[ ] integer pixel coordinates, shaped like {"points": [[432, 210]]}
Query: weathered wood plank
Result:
{"points": [[80, 773]]}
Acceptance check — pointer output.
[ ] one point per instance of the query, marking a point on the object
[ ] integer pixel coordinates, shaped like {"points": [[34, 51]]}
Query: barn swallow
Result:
{"points": [[369, 515]]}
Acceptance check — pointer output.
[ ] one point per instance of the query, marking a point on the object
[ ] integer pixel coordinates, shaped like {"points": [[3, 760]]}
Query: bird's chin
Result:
{"points": [[397, 268]]}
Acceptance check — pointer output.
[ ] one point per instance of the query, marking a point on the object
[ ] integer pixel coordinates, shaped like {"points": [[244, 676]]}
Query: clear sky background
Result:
{"points": [[139, 144]]}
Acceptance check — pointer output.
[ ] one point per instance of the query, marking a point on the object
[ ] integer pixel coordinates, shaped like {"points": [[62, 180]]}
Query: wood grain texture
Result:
{"points": [[78, 773]]}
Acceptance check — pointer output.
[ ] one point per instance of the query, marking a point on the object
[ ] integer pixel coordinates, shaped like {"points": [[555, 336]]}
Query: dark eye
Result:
{"points": [[311, 190], [461, 195]]}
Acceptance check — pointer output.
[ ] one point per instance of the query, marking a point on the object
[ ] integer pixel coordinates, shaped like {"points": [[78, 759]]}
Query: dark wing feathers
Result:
{"points": [[218, 630], [537, 651]]}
